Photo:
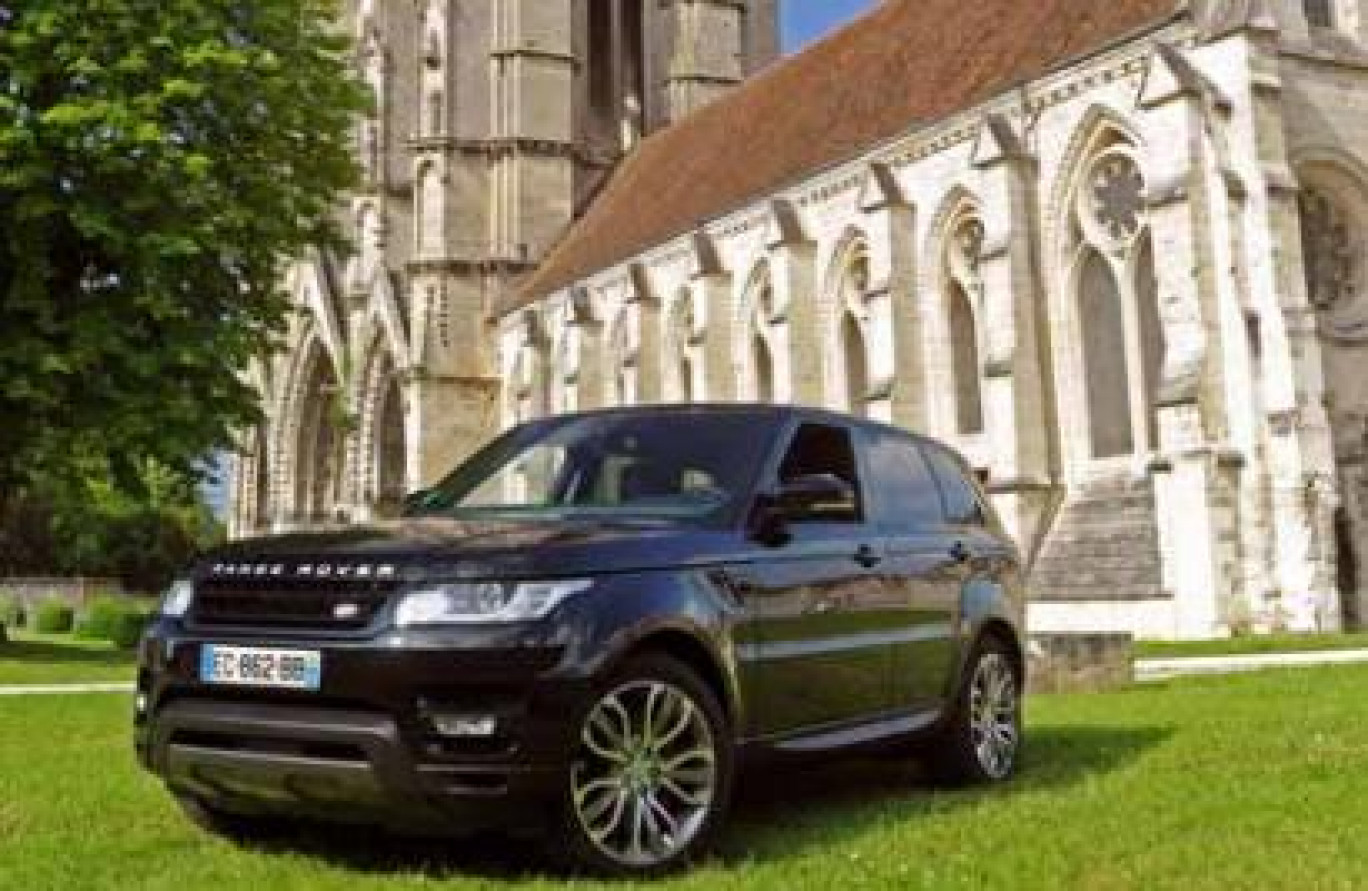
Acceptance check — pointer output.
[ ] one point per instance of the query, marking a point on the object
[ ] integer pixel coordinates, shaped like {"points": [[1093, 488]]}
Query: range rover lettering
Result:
{"points": [[589, 628]]}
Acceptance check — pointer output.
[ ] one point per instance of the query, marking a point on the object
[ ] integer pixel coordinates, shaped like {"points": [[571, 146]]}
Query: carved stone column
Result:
{"points": [[890, 222], [1194, 518], [1018, 410]]}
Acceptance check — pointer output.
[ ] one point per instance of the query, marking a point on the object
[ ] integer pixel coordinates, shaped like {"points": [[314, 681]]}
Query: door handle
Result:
{"points": [[867, 557], [960, 553]]}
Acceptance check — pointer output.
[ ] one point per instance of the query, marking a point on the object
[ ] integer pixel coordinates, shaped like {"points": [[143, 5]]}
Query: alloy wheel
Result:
{"points": [[994, 715], [646, 775]]}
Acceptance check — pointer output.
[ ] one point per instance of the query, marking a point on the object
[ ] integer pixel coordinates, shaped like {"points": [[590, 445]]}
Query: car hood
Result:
{"points": [[447, 548]]}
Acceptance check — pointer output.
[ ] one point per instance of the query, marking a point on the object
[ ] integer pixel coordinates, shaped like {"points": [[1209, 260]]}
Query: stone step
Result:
{"points": [[1104, 546], [1113, 594]]}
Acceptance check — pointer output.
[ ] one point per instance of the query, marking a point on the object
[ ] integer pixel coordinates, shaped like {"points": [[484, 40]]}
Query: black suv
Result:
{"points": [[587, 625]]}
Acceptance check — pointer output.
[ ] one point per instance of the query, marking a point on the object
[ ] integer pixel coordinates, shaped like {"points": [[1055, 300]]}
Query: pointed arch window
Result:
{"points": [[320, 443], [762, 369], [683, 347], [963, 295], [1117, 306], [851, 343], [856, 372]]}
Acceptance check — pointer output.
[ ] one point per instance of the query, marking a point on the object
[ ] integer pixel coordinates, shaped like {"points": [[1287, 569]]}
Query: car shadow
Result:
{"points": [[779, 810]]}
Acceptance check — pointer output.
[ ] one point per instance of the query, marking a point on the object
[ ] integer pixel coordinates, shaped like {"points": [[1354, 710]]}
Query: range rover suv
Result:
{"points": [[588, 627]]}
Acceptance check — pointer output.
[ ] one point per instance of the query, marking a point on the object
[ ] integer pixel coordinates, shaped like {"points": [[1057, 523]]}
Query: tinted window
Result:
{"points": [[686, 466], [904, 493], [962, 506], [818, 450]]}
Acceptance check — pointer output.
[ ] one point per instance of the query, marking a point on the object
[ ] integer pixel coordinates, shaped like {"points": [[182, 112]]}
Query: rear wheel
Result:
{"points": [[651, 777], [981, 739]]}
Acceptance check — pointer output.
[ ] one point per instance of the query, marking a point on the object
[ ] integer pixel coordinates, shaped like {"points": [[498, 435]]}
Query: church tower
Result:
{"points": [[494, 124]]}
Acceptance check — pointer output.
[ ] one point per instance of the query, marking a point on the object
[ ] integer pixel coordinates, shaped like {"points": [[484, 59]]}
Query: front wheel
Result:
{"points": [[981, 739], [651, 777]]}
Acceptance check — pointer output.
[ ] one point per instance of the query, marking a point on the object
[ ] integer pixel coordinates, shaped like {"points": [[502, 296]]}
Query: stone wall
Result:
{"points": [[1079, 663]]}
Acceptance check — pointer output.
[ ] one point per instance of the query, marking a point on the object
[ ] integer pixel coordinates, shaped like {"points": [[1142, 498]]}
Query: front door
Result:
{"points": [[816, 654]]}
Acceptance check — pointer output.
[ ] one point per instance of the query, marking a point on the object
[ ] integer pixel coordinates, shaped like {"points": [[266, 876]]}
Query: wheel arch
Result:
{"points": [[690, 650]]}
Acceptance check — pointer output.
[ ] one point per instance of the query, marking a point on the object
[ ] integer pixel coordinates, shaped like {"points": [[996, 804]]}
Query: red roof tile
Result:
{"points": [[905, 63]]}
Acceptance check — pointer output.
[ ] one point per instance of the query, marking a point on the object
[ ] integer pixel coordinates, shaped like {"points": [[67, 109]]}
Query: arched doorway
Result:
{"points": [[1333, 208]]}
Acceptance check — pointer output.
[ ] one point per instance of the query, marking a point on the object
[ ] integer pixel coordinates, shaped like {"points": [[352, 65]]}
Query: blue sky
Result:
{"points": [[806, 20]]}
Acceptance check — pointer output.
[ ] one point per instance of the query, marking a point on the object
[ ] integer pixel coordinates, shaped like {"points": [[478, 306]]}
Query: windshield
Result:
{"points": [[685, 466]]}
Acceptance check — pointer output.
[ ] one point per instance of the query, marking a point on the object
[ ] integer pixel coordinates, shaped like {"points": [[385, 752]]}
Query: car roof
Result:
{"points": [[768, 411]]}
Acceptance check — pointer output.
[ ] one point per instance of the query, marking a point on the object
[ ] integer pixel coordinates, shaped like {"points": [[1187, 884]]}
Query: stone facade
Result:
{"points": [[1131, 289], [495, 122]]}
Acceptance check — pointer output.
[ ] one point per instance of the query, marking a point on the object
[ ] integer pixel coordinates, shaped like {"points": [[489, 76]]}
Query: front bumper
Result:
{"points": [[363, 749]]}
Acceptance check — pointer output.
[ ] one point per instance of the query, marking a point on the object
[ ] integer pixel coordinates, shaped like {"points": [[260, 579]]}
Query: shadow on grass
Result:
{"points": [[58, 653], [779, 809]]}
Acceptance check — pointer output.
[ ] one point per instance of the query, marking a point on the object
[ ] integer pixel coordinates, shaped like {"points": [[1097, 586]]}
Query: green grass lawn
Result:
{"points": [[1249, 782], [29, 658], [1244, 646]]}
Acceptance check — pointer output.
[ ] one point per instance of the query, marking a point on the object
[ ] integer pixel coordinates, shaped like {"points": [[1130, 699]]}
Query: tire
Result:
{"points": [[980, 741], [645, 797]]}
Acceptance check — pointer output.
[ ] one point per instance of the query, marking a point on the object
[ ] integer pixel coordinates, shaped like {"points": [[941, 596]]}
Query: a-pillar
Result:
{"points": [[1019, 412]]}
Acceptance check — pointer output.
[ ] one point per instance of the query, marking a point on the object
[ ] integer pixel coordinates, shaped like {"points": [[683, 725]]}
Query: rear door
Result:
{"points": [[924, 570]]}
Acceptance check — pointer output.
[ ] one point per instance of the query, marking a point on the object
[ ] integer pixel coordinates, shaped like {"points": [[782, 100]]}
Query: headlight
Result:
{"points": [[465, 603], [177, 599]]}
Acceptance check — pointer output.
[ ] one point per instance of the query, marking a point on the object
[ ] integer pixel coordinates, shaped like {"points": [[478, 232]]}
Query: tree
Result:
{"points": [[80, 524], [158, 159]]}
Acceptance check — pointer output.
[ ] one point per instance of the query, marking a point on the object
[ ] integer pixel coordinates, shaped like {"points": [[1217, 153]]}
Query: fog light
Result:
{"points": [[465, 726], [140, 704]]}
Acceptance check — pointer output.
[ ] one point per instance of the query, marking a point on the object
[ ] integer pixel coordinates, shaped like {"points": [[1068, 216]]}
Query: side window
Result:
{"points": [[962, 507], [818, 450], [902, 490]]}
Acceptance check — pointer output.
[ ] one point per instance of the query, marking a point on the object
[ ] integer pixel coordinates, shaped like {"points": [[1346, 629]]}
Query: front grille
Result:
{"points": [[344, 607]]}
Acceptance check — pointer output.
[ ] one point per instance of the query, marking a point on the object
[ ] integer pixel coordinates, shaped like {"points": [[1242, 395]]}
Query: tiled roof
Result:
{"points": [[905, 63]]}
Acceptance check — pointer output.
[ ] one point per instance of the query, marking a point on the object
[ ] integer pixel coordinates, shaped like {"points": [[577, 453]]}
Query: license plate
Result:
{"points": [[256, 667]]}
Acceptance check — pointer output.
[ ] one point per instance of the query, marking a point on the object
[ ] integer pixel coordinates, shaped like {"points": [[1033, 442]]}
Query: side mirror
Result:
{"points": [[801, 498], [815, 494]]}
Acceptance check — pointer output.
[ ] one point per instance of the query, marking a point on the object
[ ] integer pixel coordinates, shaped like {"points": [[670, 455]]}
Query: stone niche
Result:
{"points": [[1080, 663]]}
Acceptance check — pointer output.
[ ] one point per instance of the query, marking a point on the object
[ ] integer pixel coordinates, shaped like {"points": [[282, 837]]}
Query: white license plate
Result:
{"points": [[256, 667]]}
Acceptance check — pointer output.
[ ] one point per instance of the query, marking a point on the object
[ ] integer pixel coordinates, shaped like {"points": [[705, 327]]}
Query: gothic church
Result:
{"points": [[1114, 252]]}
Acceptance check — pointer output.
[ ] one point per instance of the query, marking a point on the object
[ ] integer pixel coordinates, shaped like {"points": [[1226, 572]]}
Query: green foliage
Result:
{"points": [[11, 611], [88, 525], [54, 617], [101, 614], [158, 158], [128, 627], [118, 620]]}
